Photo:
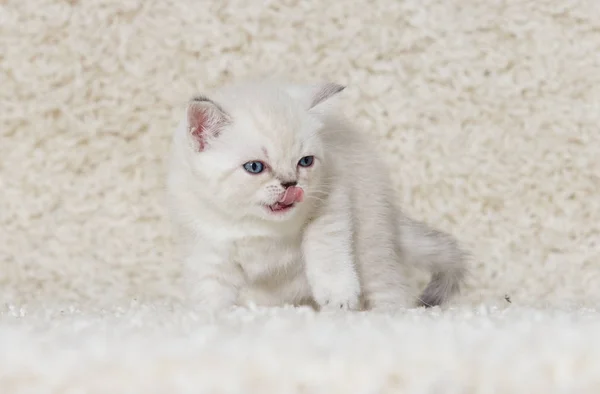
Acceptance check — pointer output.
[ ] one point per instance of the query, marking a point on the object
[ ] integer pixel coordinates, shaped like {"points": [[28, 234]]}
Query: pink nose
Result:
{"points": [[292, 194]]}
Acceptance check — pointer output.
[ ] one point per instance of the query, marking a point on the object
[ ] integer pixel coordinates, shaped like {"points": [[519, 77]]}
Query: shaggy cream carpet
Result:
{"points": [[488, 111]]}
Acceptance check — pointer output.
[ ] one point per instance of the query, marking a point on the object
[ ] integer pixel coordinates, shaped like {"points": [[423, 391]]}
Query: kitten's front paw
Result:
{"points": [[338, 296]]}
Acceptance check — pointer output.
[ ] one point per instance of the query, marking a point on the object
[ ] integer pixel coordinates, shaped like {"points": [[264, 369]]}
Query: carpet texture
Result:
{"points": [[487, 111]]}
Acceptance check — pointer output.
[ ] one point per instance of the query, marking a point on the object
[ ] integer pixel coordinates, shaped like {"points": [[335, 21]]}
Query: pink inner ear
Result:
{"points": [[205, 120], [197, 119]]}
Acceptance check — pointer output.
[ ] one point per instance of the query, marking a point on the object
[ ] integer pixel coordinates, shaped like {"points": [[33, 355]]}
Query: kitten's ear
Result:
{"points": [[314, 96], [205, 121], [324, 92]]}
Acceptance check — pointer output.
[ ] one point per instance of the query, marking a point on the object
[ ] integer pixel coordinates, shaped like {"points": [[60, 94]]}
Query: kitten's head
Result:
{"points": [[257, 149]]}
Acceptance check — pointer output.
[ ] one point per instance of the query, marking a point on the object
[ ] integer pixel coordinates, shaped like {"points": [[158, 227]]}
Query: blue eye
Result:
{"points": [[306, 161], [254, 167]]}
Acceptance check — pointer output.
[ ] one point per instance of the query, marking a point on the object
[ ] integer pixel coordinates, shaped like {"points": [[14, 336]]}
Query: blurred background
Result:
{"points": [[488, 112]]}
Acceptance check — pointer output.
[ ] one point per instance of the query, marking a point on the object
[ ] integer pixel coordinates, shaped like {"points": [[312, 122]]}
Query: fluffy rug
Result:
{"points": [[487, 111], [159, 349]]}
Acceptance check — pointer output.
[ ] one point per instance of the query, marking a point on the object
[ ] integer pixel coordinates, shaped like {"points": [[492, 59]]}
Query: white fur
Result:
{"points": [[342, 247]]}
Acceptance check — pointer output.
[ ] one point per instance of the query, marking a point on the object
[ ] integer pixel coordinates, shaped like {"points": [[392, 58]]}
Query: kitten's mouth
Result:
{"points": [[279, 207], [288, 200]]}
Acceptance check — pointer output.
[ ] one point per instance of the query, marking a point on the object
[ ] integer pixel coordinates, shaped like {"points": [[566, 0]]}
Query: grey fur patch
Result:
{"points": [[439, 289], [200, 98], [436, 252], [325, 92], [203, 99]]}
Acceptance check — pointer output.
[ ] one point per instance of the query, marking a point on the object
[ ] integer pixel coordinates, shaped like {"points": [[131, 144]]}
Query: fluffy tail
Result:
{"points": [[436, 252]]}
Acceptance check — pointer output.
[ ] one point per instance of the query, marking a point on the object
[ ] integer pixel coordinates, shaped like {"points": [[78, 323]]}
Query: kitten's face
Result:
{"points": [[264, 164]]}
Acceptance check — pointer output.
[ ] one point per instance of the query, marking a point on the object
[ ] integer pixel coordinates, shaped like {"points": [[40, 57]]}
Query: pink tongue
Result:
{"points": [[292, 194]]}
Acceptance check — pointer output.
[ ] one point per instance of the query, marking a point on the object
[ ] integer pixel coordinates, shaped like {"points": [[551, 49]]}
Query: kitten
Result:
{"points": [[281, 201]]}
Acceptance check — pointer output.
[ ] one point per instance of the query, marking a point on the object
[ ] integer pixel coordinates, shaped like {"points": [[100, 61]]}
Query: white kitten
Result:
{"points": [[281, 201]]}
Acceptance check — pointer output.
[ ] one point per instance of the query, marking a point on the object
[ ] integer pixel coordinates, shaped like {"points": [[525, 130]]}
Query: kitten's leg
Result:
{"points": [[211, 281], [437, 252], [383, 279], [329, 260]]}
